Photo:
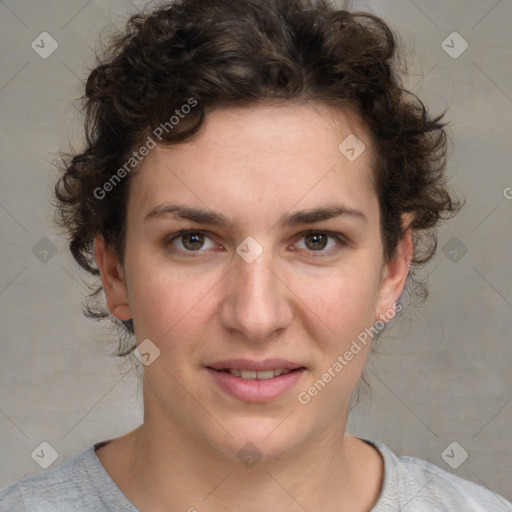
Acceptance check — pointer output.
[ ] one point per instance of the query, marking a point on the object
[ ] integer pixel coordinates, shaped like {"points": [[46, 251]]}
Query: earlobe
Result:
{"points": [[112, 280], [395, 275]]}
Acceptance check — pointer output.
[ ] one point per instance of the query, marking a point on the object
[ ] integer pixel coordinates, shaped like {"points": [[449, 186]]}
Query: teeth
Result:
{"points": [[269, 374], [251, 375]]}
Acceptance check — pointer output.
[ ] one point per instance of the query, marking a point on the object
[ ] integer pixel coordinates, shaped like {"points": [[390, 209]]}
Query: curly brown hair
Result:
{"points": [[237, 53]]}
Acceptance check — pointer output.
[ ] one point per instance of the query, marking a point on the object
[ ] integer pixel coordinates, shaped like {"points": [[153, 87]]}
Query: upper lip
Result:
{"points": [[257, 366]]}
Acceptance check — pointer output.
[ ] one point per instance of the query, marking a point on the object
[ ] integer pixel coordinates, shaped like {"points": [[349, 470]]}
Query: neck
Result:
{"points": [[157, 464]]}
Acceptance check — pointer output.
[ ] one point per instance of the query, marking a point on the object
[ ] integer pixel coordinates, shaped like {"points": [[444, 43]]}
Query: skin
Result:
{"points": [[252, 165]]}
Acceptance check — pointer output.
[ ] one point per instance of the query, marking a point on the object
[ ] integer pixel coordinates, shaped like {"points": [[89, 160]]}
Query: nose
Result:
{"points": [[257, 302]]}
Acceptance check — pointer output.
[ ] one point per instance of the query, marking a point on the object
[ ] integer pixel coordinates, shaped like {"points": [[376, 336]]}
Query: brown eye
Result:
{"points": [[192, 241], [321, 243], [316, 241]]}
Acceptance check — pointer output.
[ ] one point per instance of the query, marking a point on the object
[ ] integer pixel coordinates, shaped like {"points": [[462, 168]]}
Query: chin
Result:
{"points": [[258, 440]]}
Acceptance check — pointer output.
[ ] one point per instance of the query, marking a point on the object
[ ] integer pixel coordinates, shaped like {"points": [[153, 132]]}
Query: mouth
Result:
{"points": [[257, 375], [253, 381]]}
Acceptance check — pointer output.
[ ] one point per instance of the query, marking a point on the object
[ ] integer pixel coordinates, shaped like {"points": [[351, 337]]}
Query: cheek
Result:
{"points": [[340, 312], [165, 302], [341, 302]]}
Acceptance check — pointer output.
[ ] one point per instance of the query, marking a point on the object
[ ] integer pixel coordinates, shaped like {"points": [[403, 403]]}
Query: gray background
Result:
{"points": [[441, 375]]}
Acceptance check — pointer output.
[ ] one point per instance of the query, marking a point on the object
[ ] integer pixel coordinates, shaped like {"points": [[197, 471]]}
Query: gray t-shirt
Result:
{"points": [[410, 485]]}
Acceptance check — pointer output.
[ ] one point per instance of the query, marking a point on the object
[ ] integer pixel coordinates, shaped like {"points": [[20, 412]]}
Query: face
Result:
{"points": [[254, 247]]}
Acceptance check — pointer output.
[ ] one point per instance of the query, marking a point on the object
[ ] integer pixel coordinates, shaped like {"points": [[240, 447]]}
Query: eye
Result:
{"points": [[321, 241], [190, 241]]}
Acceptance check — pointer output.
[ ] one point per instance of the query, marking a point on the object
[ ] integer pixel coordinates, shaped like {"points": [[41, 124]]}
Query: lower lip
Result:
{"points": [[255, 390]]}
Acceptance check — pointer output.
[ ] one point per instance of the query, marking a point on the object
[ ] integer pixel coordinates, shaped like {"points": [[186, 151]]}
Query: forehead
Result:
{"points": [[270, 157]]}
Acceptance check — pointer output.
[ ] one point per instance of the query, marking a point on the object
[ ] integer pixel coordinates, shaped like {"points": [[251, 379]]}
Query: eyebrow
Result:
{"points": [[202, 216]]}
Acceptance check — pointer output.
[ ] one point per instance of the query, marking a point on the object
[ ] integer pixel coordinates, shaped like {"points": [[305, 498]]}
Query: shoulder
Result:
{"points": [[80, 484], [417, 485], [49, 490]]}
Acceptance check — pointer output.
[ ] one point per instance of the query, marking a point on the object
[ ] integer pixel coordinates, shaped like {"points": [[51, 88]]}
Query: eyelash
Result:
{"points": [[341, 240]]}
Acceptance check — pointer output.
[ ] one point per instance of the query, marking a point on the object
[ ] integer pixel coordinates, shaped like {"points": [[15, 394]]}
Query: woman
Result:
{"points": [[255, 192]]}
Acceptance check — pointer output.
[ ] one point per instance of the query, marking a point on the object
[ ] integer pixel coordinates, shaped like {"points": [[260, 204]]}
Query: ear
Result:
{"points": [[112, 279], [394, 274]]}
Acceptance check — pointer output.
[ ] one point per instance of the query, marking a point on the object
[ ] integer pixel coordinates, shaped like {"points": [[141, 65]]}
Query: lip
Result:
{"points": [[254, 390], [257, 366]]}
